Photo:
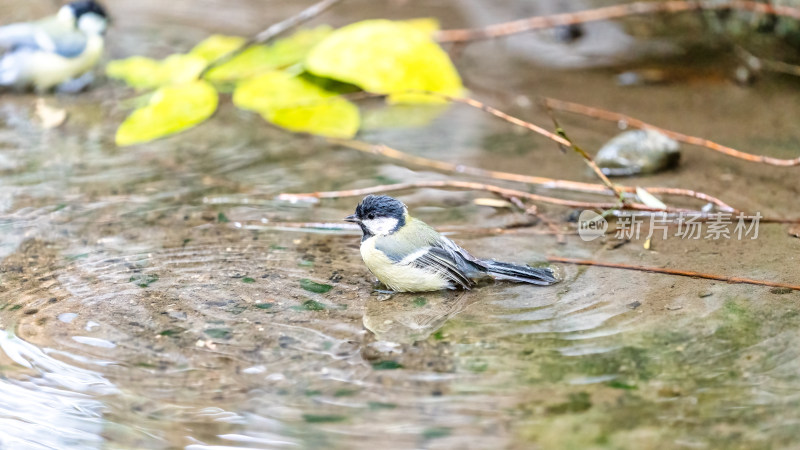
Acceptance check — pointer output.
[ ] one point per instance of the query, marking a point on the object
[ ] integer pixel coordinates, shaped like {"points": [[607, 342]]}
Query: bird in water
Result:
{"points": [[407, 255], [55, 51]]}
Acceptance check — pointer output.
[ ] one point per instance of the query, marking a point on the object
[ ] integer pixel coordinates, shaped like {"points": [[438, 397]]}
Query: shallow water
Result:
{"points": [[158, 297]]}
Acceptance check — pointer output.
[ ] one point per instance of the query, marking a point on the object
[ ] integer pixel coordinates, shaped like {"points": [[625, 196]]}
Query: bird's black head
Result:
{"points": [[379, 215], [87, 6]]}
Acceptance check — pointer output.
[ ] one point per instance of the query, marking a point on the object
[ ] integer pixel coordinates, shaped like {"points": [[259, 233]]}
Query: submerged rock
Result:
{"points": [[638, 152]]}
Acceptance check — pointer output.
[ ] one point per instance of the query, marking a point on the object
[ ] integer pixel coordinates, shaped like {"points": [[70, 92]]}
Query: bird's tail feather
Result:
{"points": [[523, 274]]}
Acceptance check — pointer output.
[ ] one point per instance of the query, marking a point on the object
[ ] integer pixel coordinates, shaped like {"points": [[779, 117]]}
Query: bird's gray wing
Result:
{"points": [[440, 255], [448, 263], [49, 36]]}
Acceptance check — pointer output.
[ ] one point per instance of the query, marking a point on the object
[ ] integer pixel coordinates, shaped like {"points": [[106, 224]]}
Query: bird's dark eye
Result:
{"points": [[370, 216]]}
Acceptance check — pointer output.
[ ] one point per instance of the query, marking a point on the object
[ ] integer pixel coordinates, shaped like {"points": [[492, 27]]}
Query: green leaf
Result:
{"points": [[298, 105], [261, 58], [172, 332], [387, 365], [317, 288], [310, 305], [381, 405], [219, 333], [170, 110], [388, 58], [144, 280], [323, 418], [345, 392], [217, 45], [145, 73], [435, 432]]}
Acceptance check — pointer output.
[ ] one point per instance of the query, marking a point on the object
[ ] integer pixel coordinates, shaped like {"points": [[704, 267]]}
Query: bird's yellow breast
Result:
{"points": [[400, 277], [50, 69]]}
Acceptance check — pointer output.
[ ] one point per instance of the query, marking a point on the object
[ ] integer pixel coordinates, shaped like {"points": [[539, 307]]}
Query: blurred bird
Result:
{"points": [[409, 256], [55, 50]]}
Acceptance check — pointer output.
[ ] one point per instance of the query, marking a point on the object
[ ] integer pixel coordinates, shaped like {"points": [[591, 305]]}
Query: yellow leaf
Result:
{"points": [[171, 109], [388, 58], [217, 45], [137, 71], [145, 73], [334, 117], [297, 105], [260, 58]]}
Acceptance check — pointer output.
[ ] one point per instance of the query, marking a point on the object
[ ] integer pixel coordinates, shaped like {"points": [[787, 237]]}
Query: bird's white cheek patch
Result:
{"points": [[381, 226], [91, 23]]}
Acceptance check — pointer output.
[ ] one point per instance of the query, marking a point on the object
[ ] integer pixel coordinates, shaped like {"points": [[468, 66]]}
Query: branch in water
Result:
{"points": [[682, 273], [606, 13], [603, 114], [552, 183], [562, 140], [503, 192]]}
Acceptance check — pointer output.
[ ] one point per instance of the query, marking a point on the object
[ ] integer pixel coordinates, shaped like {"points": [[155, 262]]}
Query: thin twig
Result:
{"points": [[586, 157], [534, 212], [780, 66], [606, 13], [558, 138], [603, 114], [758, 64], [503, 192], [552, 183], [683, 273], [273, 32], [327, 226], [507, 117], [545, 182]]}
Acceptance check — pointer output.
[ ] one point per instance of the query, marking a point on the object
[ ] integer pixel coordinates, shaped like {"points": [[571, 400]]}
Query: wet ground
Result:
{"points": [[155, 297]]}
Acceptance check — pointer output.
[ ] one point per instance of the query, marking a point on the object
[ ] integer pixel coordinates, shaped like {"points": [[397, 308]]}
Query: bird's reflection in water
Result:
{"points": [[410, 317]]}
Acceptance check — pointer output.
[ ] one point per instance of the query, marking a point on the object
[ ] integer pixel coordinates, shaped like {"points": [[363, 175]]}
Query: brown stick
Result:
{"points": [[534, 212], [682, 273], [780, 66], [606, 13], [758, 64], [603, 114], [552, 183], [503, 192], [443, 229], [537, 129], [274, 31]]}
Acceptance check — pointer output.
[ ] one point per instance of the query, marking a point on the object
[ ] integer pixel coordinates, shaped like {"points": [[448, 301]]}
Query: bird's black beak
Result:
{"points": [[352, 218]]}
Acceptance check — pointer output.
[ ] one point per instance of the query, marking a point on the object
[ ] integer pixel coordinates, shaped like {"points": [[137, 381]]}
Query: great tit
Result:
{"points": [[407, 255], [54, 50]]}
